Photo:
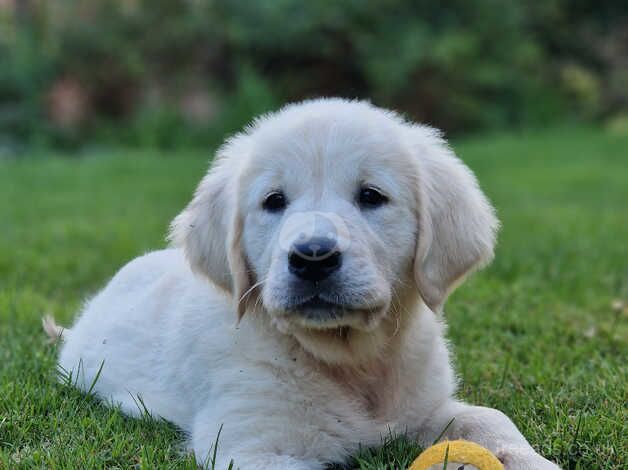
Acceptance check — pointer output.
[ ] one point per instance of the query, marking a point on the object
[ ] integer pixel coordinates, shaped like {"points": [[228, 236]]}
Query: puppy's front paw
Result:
{"points": [[524, 459]]}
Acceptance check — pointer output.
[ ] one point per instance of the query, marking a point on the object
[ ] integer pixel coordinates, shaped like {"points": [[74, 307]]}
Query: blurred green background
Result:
{"points": [[166, 74]]}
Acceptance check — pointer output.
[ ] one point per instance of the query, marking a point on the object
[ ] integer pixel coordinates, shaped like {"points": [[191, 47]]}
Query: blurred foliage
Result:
{"points": [[165, 74]]}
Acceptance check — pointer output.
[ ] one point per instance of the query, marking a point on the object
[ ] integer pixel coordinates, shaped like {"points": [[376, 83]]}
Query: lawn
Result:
{"points": [[534, 335]]}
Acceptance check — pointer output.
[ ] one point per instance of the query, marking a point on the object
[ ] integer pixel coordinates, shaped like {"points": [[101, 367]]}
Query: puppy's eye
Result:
{"points": [[274, 202], [371, 197]]}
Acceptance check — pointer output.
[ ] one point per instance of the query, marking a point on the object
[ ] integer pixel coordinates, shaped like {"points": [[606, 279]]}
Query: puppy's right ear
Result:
{"points": [[209, 227]]}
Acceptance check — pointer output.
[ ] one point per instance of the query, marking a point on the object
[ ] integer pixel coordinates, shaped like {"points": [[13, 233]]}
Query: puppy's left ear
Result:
{"points": [[209, 229], [457, 224]]}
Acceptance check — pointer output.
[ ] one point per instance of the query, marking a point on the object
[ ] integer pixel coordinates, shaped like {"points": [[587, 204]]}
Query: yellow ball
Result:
{"points": [[460, 453]]}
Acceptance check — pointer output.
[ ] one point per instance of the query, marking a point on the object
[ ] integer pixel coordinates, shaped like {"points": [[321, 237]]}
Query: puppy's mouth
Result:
{"points": [[318, 303], [318, 312]]}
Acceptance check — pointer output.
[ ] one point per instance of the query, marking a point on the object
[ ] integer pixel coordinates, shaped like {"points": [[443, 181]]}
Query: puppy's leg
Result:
{"points": [[488, 427], [244, 461], [250, 441], [245, 455]]}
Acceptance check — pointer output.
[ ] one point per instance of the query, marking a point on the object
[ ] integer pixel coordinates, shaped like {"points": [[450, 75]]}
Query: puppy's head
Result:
{"points": [[332, 216]]}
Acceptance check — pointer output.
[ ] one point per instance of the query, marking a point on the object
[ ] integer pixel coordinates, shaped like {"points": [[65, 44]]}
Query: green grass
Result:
{"points": [[534, 335]]}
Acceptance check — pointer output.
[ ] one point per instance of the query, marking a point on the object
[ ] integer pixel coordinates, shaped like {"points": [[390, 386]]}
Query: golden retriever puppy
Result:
{"points": [[300, 306]]}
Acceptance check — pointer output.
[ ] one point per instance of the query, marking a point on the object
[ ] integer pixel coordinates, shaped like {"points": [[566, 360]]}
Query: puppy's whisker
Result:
{"points": [[250, 289], [258, 302]]}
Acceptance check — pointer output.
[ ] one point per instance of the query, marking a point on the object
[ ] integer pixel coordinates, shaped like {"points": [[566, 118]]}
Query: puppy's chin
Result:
{"points": [[351, 339], [337, 318]]}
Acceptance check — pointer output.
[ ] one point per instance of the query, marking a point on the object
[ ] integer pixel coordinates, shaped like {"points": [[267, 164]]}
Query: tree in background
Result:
{"points": [[162, 73]]}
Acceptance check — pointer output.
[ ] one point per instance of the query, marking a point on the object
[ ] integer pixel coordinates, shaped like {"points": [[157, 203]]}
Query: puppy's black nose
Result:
{"points": [[315, 259]]}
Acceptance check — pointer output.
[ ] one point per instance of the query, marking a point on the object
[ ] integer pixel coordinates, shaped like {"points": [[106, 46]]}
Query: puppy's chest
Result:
{"points": [[344, 400], [374, 390], [352, 404]]}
